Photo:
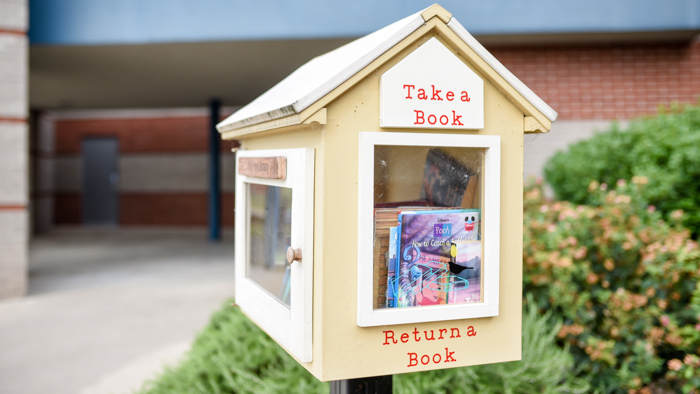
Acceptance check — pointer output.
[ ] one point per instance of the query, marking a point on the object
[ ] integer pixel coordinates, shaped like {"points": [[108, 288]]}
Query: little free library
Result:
{"points": [[379, 203]]}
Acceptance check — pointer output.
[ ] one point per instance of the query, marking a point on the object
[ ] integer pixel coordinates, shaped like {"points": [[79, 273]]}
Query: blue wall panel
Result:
{"points": [[97, 22]]}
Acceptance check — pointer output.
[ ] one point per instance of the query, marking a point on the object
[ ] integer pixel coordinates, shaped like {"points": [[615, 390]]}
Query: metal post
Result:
{"points": [[372, 385], [214, 172]]}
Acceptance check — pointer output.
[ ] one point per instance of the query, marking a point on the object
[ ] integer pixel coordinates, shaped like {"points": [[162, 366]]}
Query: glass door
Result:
{"points": [[274, 243]]}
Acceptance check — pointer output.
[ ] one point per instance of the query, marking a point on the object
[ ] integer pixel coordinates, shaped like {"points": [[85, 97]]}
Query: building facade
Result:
{"points": [[123, 87]]}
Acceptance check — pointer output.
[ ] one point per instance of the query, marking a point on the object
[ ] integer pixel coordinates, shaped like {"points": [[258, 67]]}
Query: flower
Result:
{"points": [[591, 278], [677, 214], [674, 340], [609, 264], [640, 180], [675, 364]]}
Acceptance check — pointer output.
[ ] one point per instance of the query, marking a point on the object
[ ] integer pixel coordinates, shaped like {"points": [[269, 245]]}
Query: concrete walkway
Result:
{"points": [[107, 308]]}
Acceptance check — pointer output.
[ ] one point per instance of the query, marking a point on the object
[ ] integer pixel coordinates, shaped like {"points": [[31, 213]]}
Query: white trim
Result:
{"points": [[321, 75], [520, 87], [368, 316], [431, 64], [290, 327]]}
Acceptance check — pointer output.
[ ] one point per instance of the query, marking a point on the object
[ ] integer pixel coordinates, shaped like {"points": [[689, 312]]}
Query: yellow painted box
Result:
{"points": [[379, 203]]}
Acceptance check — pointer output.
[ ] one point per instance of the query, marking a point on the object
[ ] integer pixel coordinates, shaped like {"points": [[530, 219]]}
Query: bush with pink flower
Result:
{"points": [[625, 282], [663, 149]]}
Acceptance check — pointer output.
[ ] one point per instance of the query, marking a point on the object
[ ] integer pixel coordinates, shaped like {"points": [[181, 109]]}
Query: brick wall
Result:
{"points": [[163, 165], [607, 81], [142, 135], [588, 85], [41, 152]]}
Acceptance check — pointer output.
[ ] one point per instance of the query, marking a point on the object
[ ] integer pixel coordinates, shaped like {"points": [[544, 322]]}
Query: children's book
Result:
{"points": [[436, 256], [466, 268], [384, 220], [446, 180], [392, 285]]}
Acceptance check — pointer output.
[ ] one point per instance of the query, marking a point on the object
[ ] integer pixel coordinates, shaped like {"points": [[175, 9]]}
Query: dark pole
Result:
{"points": [[214, 172], [373, 385]]}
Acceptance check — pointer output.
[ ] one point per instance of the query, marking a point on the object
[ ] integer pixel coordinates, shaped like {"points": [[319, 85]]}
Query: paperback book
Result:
{"points": [[392, 285], [438, 257]]}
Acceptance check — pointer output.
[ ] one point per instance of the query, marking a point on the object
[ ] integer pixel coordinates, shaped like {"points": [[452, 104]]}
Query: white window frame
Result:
{"points": [[367, 316], [290, 326]]}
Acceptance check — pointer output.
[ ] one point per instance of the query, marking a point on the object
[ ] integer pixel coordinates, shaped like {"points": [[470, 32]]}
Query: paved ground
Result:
{"points": [[107, 308]]}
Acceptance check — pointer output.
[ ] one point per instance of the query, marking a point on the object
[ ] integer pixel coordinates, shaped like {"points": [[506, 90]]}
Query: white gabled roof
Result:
{"points": [[315, 79]]}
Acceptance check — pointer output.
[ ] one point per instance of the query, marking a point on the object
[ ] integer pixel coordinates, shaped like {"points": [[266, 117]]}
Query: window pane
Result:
{"points": [[428, 225], [270, 218]]}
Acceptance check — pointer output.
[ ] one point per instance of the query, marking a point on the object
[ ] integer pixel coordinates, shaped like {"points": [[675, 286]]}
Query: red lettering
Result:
{"points": [[453, 333], [434, 119], [404, 337], [448, 356], [408, 93], [441, 330], [420, 117], [432, 335], [415, 334], [436, 358], [422, 95], [456, 119], [450, 96], [436, 93], [465, 96], [471, 332], [388, 335]]}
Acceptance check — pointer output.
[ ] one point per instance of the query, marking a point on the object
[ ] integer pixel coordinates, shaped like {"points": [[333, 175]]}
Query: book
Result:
{"points": [[384, 220], [467, 280], [427, 242], [392, 285], [446, 180]]}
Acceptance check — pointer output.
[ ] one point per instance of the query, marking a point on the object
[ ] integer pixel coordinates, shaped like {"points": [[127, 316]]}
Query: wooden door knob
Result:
{"points": [[293, 255]]}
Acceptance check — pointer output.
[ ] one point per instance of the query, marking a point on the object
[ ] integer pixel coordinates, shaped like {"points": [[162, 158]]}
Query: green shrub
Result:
{"points": [[232, 355], [625, 282], [664, 149], [545, 368]]}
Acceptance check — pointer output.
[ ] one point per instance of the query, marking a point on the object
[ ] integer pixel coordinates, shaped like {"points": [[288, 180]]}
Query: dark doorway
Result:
{"points": [[100, 181]]}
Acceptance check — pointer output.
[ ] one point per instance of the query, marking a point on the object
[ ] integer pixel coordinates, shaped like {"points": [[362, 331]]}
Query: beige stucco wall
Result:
{"points": [[540, 147]]}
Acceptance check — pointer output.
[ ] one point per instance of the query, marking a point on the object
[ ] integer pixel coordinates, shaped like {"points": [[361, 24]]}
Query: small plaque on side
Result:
{"points": [[263, 167]]}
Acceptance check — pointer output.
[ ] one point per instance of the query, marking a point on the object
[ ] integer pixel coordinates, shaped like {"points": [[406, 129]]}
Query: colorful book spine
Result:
{"points": [[391, 265]]}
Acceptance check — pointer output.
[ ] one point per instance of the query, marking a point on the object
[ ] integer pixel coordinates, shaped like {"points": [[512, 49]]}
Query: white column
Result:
{"points": [[14, 150]]}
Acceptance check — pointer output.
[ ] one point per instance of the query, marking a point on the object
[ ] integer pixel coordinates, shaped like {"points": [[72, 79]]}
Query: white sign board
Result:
{"points": [[431, 88]]}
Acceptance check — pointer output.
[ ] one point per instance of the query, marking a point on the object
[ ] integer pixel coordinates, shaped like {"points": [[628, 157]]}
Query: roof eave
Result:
{"points": [[412, 23]]}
